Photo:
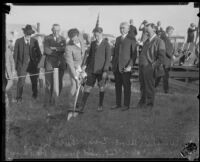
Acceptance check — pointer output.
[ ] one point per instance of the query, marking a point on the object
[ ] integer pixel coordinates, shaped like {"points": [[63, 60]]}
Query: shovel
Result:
{"points": [[74, 113]]}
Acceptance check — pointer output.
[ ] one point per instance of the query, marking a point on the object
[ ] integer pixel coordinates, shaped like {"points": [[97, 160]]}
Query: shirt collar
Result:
{"points": [[99, 42], [78, 44], [150, 39], [192, 27], [27, 41], [123, 36], [54, 37]]}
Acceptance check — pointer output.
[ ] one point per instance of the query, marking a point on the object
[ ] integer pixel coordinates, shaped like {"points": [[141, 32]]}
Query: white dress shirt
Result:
{"points": [[26, 41], [150, 39], [78, 44], [123, 36], [99, 42]]}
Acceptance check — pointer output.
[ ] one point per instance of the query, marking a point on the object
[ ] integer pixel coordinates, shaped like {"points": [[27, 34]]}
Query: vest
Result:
{"points": [[26, 53], [143, 56]]}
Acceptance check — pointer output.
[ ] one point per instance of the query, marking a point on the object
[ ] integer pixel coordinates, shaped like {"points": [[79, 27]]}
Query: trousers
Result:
{"points": [[147, 84], [122, 80]]}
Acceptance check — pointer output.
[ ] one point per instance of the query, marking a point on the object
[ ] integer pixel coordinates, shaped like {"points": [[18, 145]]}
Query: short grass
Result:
{"points": [[135, 133]]}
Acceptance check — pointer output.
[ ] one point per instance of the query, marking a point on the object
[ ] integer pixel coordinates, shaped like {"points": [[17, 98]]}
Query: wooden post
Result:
{"points": [[56, 81]]}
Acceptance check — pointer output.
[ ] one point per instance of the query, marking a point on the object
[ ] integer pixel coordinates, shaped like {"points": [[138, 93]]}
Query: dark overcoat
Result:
{"points": [[25, 62]]}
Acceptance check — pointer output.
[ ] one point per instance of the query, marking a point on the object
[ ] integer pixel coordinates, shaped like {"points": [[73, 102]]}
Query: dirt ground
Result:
{"points": [[161, 133]]}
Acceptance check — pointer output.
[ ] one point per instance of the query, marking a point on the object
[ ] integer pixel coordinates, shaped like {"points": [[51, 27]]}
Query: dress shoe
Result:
{"points": [[100, 108], [80, 110], [115, 107], [125, 108], [34, 96], [18, 100], [166, 91]]}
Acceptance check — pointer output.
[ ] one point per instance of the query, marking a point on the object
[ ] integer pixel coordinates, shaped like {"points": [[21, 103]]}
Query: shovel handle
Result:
{"points": [[76, 97]]}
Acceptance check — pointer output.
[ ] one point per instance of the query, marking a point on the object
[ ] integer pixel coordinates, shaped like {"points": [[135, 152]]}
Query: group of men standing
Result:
{"points": [[95, 62]]}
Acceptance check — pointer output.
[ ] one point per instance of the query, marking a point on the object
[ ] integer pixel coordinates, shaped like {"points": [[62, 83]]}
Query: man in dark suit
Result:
{"points": [[124, 57], [167, 59], [132, 30], [97, 65], [54, 49], [151, 61], [26, 55]]}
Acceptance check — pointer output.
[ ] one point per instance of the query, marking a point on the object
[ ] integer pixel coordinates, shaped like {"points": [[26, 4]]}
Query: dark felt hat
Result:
{"points": [[28, 30]]}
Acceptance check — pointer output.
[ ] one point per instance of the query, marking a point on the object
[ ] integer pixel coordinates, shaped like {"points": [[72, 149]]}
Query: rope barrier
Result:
{"points": [[29, 75]]}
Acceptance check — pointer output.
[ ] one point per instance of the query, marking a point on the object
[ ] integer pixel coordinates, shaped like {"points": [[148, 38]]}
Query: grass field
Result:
{"points": [[135, 133]]}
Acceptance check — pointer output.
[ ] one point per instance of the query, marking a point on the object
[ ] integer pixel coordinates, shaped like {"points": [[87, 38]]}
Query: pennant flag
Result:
{"points": [[97, 23]]}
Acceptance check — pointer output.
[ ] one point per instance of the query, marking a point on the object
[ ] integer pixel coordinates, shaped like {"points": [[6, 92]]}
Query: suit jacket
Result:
{"points": [[22, 63], [169, 50], [125, 53], [153, 52], [99, 57], [74, 56], [54, 59]]}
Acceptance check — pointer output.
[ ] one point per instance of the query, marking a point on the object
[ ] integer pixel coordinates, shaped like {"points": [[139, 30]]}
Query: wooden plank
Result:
{"points": [[185, 67], [184, 74], [183, 84]]}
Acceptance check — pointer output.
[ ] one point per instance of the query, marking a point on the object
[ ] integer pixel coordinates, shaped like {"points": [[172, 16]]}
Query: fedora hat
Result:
{"points": [[28, 30]]}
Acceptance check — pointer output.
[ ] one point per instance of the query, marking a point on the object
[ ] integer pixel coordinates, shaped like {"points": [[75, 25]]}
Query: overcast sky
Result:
{"points": [[84, 17]]}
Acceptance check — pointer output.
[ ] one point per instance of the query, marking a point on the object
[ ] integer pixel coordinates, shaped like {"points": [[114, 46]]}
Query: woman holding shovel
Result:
{"points": [[74, 54]]}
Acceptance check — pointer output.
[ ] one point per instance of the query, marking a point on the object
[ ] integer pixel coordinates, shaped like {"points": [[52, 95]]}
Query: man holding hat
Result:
{"points": [[96, 67], [144, 34], [151, 62], [26, 55], [132, 30]]}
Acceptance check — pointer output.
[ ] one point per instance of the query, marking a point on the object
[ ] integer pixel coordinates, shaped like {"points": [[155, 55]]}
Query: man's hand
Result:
{"points": [[78, 70], [42, 70], [104, 75], [77, 81], [83, 68], [53, 48], [127, 69]]}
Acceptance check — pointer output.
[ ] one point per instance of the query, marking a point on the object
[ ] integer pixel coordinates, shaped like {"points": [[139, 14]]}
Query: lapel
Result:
{"points": [[122, 42], [21, 48], [31, 47], [52, 40], [82, 47], [31, 43], [152, 42], [150, 52]]}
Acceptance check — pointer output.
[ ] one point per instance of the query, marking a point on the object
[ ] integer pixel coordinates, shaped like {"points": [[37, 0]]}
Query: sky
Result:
{"points": [[84, 17]]}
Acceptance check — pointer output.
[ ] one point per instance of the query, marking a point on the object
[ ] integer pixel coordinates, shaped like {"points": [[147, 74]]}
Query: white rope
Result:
{"points": [[29, 75]]}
